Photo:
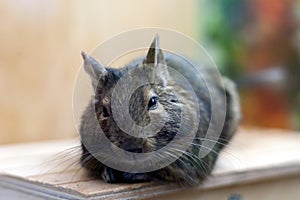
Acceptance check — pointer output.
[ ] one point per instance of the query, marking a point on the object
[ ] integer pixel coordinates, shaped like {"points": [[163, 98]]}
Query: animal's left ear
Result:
{"points": [[155, 58], [94, 69]]}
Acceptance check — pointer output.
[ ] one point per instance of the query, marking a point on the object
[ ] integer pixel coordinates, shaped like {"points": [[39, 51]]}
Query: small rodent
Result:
{"points": [[189, 168]]}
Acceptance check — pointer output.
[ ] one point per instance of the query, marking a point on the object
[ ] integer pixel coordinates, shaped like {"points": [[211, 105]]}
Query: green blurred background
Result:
{"points": [[257, 44]]}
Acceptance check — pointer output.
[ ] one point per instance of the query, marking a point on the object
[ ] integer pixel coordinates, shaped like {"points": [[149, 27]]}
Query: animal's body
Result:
{"points": [[162, 93]]}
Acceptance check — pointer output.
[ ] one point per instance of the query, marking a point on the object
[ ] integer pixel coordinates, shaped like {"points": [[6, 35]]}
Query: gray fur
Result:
{"points": [[189, 169]]}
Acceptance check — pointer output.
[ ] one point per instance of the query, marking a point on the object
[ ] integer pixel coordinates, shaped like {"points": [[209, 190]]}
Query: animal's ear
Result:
{"points": [[95, 70], [155, 58]]}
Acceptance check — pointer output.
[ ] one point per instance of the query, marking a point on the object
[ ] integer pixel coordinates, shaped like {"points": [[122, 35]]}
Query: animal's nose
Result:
{"points": [[134, 150]]}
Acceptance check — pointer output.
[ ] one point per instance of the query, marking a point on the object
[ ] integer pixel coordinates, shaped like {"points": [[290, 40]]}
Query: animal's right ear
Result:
{"points": [[95, 70]]}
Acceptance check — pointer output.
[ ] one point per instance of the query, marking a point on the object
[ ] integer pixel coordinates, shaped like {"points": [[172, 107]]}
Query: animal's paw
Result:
{"points": [[110, 175]]}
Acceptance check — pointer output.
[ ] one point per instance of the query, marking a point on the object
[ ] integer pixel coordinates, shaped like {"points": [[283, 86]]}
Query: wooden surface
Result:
{"points": [[39, 170]]}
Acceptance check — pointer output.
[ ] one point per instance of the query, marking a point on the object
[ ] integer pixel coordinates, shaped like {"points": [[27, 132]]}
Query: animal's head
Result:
{"points": [[151, 103]]}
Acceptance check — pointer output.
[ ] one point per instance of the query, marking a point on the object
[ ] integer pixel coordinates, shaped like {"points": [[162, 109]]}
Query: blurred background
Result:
{"points": [[254, 42]]}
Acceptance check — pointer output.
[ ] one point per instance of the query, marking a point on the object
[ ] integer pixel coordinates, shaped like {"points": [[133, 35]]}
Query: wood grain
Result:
{"points": [[253, 156]]}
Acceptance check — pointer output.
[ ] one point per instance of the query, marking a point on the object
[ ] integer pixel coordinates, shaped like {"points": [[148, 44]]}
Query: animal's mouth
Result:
{"points": [[134, 150]]}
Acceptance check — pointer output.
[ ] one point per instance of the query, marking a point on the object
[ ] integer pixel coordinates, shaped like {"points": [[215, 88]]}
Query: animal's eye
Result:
{"points": [[105, 112], [153, 103]]}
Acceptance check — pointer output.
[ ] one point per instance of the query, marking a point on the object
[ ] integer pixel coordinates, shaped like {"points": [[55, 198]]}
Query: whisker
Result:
{"points": [[220, 139], [59, 159], [182, 163], [210, 149], [85, 161], [197, 161], [177, 159], [228, 155], [217, 142]]}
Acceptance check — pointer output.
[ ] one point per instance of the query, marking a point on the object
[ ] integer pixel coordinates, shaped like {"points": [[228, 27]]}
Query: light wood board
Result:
{"points": [[40, 170]]}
